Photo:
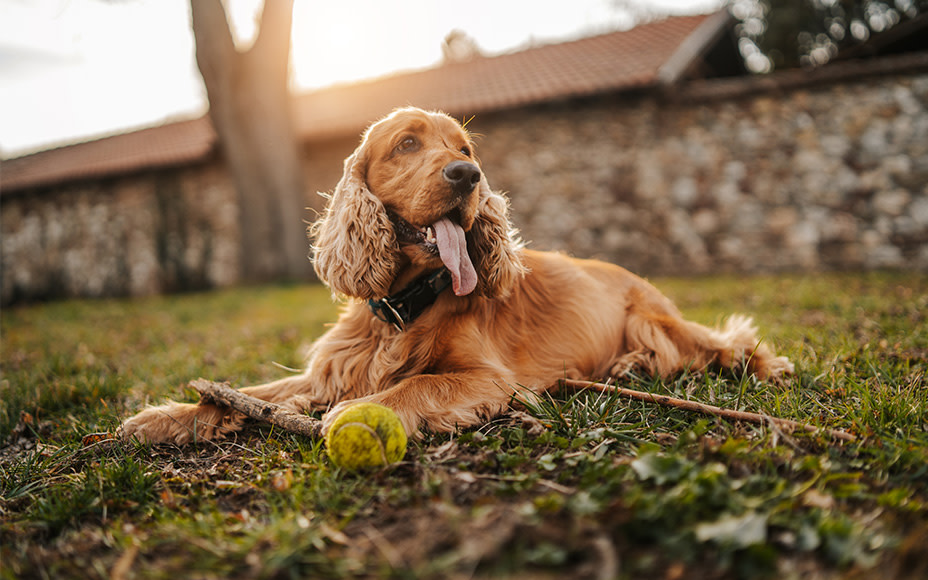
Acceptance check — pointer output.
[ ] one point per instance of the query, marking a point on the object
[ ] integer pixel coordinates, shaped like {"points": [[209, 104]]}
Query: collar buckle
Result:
{"points": [[405, 306], [386, 312]]}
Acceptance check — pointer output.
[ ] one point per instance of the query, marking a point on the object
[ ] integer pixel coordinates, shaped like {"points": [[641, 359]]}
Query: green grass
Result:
{"points": [[583, 485]]}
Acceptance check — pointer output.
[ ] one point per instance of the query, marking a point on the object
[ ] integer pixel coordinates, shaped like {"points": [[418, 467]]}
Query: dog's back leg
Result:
{"points": [[662, 343]]}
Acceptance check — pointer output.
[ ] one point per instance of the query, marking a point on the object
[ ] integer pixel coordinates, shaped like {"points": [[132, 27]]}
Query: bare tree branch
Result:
{"points": [[729, 414], [224, 395]]}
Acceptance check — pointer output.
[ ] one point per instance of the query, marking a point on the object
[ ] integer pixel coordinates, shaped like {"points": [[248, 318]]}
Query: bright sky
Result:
{"points": [[75, 69]]}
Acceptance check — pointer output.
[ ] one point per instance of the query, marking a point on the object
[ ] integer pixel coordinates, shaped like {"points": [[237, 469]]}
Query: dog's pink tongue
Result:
{"points": [[452, 247]]}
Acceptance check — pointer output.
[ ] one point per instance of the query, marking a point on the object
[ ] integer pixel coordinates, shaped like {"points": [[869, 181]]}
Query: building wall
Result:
{"points": [[130, 236], [833, 177], [135, 235], [829, 177]]}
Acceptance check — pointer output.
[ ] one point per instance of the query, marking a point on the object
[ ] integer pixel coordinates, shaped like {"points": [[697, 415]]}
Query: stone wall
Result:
{"points": [[833, 176], [141, 234], [136, 235], [829, 177]]}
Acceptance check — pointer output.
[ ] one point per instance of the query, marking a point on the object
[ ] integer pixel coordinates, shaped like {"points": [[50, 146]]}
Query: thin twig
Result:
{"points": [[223, 394], [706, 409]]}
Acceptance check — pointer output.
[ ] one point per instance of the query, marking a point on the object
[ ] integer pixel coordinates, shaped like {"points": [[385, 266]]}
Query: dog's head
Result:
{"points": [[413, 198]]}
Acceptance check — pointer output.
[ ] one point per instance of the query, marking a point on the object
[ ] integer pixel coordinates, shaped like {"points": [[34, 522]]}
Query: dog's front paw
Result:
{"points": [[157, 425], [181, 423]]}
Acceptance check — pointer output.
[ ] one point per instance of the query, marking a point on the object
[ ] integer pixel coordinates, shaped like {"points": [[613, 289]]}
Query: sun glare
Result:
{"points": [[243, 20]]}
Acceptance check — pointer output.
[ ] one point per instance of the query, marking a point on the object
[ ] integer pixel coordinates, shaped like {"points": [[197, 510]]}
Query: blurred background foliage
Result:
{"points": [[783, 34]]}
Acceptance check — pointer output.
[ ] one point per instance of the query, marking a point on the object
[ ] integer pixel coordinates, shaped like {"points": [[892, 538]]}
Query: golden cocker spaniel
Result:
{"points": [[448, 316]]}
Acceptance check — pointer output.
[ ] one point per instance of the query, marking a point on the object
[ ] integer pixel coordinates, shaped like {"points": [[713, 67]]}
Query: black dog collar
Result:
{"points": [[405, 306]]}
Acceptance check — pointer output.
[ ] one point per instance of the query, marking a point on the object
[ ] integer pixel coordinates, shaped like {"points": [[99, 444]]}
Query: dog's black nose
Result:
{"points": [[462, 176]]}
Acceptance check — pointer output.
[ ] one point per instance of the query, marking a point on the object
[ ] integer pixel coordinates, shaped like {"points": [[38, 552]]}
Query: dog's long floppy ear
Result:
{"points": [[493, 245], [354, 247]]}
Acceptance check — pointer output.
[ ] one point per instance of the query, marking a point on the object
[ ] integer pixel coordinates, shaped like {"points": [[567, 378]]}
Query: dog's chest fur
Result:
{"points": [[362, 355]]}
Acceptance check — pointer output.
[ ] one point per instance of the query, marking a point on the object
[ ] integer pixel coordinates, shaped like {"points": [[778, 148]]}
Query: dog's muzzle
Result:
{"points": [[462, 176]]}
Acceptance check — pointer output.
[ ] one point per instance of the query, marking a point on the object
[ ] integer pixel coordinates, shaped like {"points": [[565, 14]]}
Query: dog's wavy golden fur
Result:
{"points": [[413, 200]]}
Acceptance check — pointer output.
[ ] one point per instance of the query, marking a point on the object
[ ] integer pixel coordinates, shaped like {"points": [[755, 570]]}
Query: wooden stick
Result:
{"points": [[706, 409], [223, 394]]}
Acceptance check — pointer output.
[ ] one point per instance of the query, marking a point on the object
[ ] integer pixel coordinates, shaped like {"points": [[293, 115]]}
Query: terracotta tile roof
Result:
{"points": [[610, 62], [155, 147]]}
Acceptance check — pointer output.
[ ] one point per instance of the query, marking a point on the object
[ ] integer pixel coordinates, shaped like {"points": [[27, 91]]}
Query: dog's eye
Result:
{"points": [[465, 150], [407, 145]]}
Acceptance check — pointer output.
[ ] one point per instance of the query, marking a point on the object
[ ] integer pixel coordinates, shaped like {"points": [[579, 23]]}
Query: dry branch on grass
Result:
{"points": [[223, 394], [729, 414]]}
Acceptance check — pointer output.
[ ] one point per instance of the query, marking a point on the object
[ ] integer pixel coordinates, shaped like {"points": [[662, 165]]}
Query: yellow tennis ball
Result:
{"points": [[366, 435]]}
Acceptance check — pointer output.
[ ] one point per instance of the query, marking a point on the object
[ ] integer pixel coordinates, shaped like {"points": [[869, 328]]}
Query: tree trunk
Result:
{"points": [[251, 109]]}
